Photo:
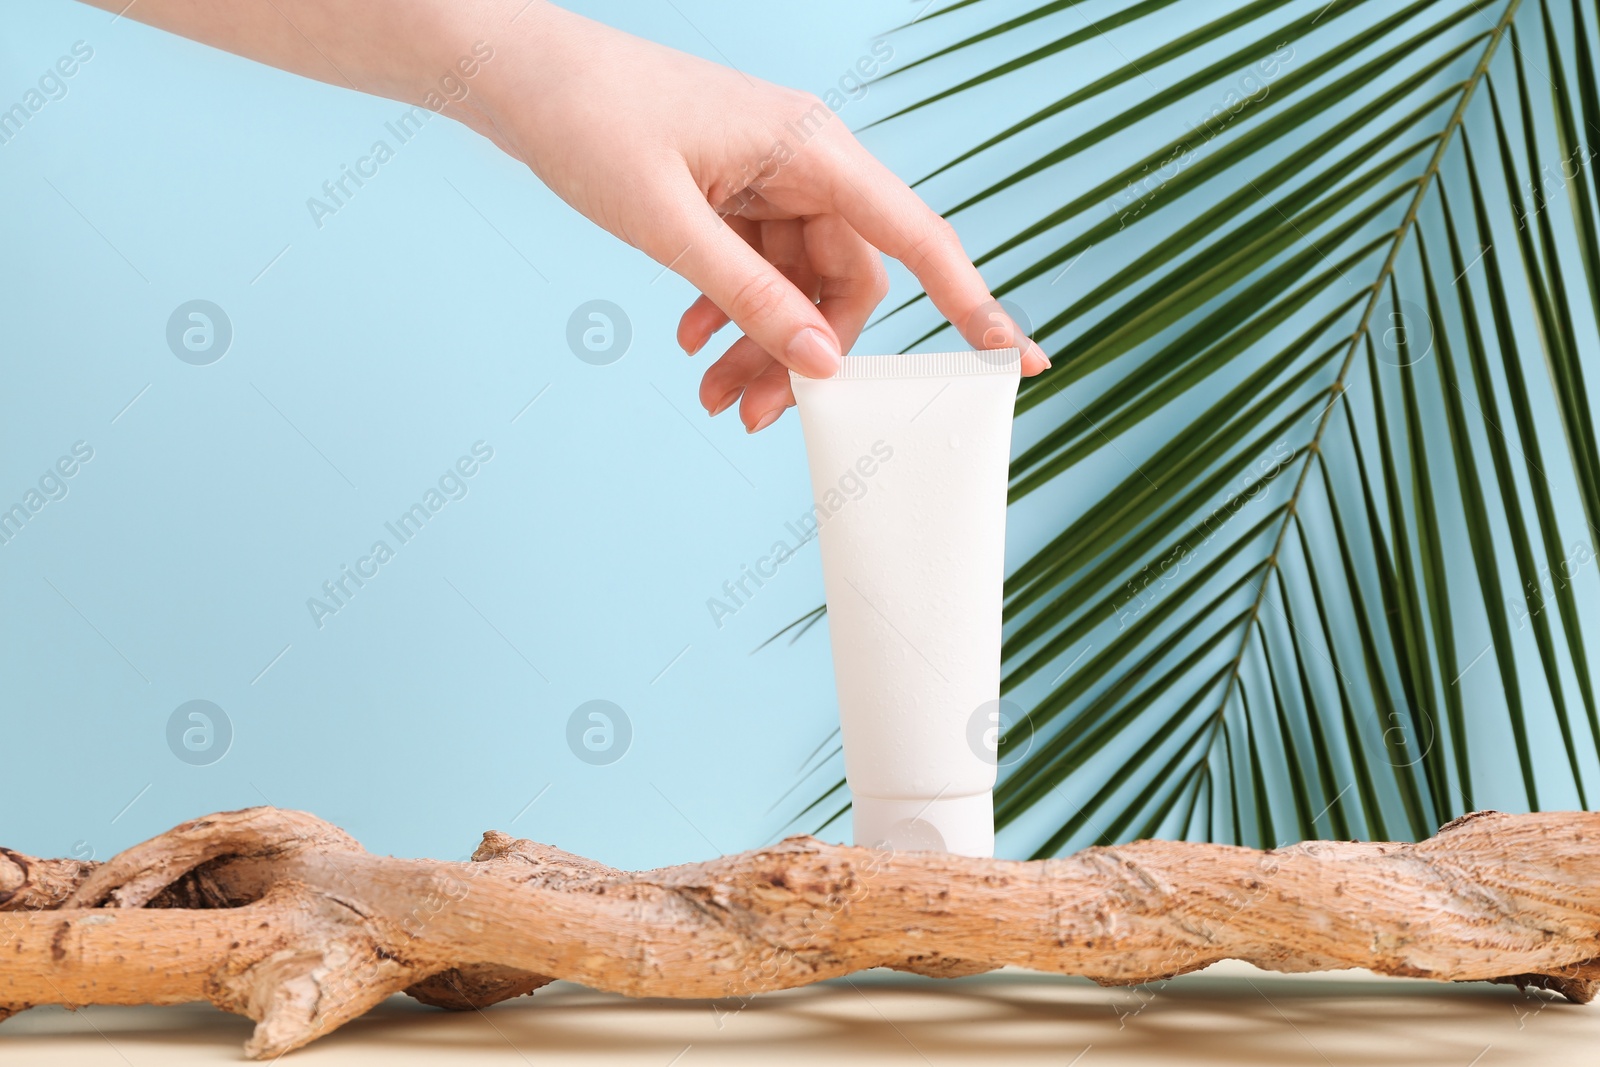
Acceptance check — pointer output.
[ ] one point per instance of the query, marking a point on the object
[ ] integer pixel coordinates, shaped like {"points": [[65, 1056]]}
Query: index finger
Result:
{"points": [[884, 210]]}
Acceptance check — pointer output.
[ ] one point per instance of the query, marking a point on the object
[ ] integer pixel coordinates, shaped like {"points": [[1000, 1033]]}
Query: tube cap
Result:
{"points": [[962, 825]]}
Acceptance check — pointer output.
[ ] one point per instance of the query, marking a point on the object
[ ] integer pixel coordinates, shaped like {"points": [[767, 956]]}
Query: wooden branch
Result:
{"points": [[283, 918]]}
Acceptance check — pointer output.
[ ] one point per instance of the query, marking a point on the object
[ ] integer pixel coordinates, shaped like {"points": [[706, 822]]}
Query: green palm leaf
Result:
{"points": [[1318, 454]]}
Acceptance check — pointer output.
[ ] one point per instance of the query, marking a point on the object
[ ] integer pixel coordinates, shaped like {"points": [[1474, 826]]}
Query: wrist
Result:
{"points": [[535, 56], [447, 46], [438, 54]]}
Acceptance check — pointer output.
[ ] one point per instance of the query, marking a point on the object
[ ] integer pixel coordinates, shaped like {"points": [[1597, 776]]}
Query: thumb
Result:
{"points": [[693, 240]]}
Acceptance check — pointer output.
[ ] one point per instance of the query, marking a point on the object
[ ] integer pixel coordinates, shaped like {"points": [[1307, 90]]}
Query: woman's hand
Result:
{"points": [[756, 194]]}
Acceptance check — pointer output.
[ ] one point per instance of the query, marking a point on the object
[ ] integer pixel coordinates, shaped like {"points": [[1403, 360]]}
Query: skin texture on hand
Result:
{"points": [[757, 194]]}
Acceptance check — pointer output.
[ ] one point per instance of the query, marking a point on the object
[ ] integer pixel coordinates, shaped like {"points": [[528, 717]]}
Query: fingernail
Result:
{"points": [[1039, 352], [690, 350], [726, 402], [813, 354], [766, 420]]}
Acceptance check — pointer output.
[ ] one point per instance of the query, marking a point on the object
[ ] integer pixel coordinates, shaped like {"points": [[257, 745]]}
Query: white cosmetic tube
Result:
{"points": [[909, 460]]}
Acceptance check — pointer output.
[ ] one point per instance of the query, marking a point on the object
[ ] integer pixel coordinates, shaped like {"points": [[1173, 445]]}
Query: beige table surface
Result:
{"points": [[1229, 1014]]}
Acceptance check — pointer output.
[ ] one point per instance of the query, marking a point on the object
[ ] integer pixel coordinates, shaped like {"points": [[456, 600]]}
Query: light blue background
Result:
{"points": [[367, 356], [375, 350]]}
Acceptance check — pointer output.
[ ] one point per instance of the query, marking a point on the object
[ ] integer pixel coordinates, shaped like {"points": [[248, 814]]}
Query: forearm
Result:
{"points": [[417, 51], [471, 60]]}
